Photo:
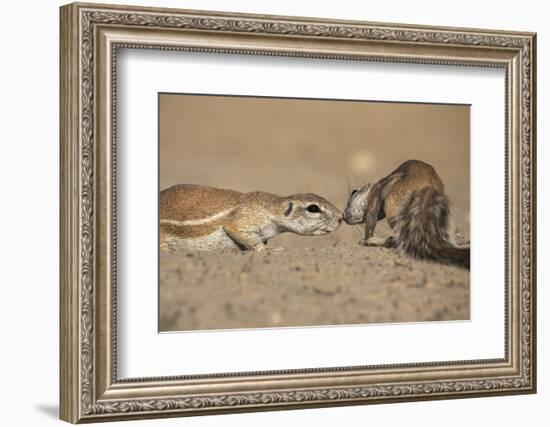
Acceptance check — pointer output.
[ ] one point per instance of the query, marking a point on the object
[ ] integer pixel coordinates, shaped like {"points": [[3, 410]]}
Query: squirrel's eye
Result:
{"points": [[353, 192], [313, 209]]}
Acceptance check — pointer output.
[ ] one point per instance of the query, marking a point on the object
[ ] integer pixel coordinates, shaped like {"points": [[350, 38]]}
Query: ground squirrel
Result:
{"points": [[413, 201], [196, 217]]}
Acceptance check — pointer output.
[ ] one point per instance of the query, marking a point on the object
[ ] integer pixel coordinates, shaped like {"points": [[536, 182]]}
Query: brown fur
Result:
{"points": [[207, 218], [191, 202], [413, 201], [422, 229]]}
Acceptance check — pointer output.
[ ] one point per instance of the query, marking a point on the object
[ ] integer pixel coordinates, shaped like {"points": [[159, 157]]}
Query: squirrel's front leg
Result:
{"points": [[370, 225], [371, 219], [372, 240], [245, 240]]}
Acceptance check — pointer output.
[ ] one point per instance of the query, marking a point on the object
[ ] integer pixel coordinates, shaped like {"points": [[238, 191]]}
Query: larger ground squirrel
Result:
{"points": [[413, 201], [195, 217]]}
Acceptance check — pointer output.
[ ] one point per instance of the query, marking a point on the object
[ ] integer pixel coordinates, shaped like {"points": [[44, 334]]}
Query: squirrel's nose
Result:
{"points": [[345, 216]]}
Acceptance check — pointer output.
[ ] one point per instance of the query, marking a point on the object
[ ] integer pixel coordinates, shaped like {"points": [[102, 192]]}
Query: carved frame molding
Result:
{"points": [[90, 37]]}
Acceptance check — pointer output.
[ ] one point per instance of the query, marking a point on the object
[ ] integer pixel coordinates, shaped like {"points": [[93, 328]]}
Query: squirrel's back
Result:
{"points": [[192, 202], [410, 176]]}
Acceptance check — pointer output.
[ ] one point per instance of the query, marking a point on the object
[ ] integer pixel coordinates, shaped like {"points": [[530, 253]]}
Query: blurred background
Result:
{"points": [[327, 147]]}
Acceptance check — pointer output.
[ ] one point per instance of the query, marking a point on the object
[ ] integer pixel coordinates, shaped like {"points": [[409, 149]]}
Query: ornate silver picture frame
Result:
{"points": [[91, 34]]}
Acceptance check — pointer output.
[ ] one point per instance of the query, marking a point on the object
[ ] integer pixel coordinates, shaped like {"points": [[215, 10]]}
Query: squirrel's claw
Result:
{"points": [[363, 242]]}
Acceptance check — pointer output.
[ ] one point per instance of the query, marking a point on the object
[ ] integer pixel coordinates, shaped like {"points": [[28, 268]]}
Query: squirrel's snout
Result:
{"points": [[336, 222], [350, 219], [346, 216]]}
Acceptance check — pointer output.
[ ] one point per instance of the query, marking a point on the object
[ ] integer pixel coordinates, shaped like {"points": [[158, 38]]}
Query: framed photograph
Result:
{"points": [[265, 212]]}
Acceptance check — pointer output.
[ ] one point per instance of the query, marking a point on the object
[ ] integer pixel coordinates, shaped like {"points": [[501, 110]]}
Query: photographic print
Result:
{"points": [[289, 212], [308, 188]]}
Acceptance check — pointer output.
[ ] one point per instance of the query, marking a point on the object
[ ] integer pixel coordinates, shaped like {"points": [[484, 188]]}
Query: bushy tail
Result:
{"points": [[422, 229]]}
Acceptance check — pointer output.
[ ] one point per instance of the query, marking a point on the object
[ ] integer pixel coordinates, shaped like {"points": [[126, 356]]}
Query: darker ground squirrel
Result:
{"points": [[413, 201], [196, 217]]}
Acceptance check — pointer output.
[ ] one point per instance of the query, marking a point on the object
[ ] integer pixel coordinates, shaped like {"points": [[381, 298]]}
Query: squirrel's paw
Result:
{"points": [[263, 248], [372, 241]]}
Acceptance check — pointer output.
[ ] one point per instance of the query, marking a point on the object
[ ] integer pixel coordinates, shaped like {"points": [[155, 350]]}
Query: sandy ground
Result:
{"points": [[295, 146], [304, 287]]}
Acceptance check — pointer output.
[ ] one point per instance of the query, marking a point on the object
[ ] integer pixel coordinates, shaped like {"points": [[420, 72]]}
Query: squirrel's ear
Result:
{"points": [[289, 208]]}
